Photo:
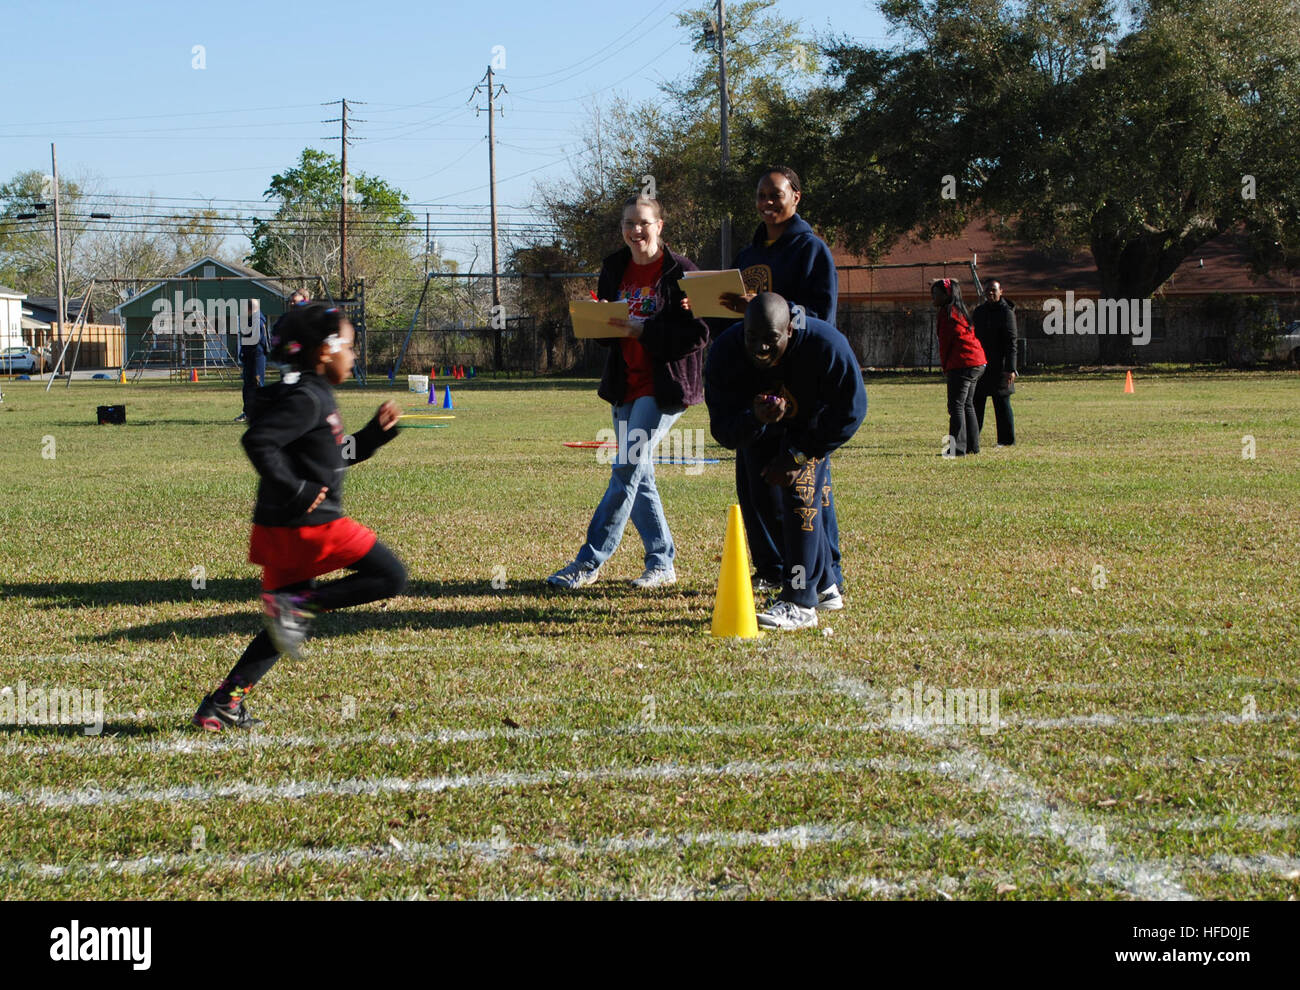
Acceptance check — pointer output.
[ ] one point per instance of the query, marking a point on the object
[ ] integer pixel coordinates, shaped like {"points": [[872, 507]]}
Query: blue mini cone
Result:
{"points": [[446, 398], [433, 395]]}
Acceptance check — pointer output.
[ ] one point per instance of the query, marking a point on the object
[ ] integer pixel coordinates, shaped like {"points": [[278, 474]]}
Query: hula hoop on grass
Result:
{"points": [[427, 426], [423, 416], [590, 444]]}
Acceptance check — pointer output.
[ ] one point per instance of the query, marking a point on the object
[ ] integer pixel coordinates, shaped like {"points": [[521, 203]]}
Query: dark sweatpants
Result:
{"points": [[988, 388], [809, 567], [253, 360], [761, 509]]}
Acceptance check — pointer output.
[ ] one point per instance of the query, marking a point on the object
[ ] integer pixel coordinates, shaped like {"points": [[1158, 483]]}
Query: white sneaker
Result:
{"points": [[658, 577], [787, 615], [762, 586], [574, 575], [830, 599]]}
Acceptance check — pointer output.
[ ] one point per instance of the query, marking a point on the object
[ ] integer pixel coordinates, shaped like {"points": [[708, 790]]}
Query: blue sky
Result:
{"points": [[115, 86]]}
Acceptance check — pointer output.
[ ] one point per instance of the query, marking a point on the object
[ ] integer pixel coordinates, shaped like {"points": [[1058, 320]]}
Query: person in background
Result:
{"points": [[995, 326], [962, 359], [252, 355]]}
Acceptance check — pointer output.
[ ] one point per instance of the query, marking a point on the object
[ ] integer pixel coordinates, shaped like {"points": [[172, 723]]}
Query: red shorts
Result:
{"points": [[293, 554]]}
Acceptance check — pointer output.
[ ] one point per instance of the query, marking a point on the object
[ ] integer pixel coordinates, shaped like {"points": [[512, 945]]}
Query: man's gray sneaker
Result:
{"points": [[830, 599], [787, 615]]}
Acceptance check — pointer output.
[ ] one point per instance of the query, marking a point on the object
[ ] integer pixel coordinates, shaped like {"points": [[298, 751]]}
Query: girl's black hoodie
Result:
{"points": [[298, 446]]}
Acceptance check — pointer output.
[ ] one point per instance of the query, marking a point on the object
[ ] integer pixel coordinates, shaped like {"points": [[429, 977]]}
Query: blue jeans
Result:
{"points": [[639, 427]]}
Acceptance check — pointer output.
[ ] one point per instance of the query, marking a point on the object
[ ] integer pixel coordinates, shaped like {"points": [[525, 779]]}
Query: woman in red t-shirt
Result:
{"points": [[651, 376], [962, 359]]}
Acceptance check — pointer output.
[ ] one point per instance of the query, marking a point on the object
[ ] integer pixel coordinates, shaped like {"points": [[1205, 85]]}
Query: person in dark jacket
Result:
{"points": [[297, 443], [788, 392], [995, 327], [252, 355], [651, 376], [785, 256], [962, 359]]}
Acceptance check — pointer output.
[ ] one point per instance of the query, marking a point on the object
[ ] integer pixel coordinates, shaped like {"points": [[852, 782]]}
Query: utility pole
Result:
{"points": [[492, 94], [726, 112], [343, 188], [58, 261]]}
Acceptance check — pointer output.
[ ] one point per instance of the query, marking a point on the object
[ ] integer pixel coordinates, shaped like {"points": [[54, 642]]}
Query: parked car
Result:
{"points": [[1286, 345], [18, 361]]}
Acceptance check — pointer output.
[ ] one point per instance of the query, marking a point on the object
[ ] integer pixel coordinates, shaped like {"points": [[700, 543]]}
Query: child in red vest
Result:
{"points": [[962, 359], [297, 444]]}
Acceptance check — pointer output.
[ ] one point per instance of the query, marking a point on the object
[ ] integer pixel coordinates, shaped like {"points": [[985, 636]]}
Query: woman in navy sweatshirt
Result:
{"points": [[787, 258]]}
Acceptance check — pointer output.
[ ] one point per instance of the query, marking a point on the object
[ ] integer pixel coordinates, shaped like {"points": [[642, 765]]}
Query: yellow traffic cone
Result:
{"points": [[121, 376], [733, 609]]}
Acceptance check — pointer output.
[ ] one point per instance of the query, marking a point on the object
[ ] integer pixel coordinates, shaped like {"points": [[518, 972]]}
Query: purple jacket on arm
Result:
{"points": [[674, 339]]}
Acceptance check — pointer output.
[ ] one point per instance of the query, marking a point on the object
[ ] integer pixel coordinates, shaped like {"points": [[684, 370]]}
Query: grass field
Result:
{"points": [[1124, 578]]}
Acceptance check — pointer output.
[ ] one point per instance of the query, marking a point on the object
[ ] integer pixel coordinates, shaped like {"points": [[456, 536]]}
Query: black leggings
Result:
{"points": [[379, 574]]}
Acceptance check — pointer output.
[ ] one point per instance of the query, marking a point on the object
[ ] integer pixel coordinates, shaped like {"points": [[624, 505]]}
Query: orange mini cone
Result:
{"points": [[733, 608], [1128, 383], [194, 374]]}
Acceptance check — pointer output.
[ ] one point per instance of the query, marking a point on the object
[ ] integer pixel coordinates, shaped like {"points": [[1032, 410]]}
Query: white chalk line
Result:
{"points": [[195, 743], [1016, 635], [797, 837], [500, 849], [294, 790], [1024, 804], [918, 886], [92, 746], [633, 701]]}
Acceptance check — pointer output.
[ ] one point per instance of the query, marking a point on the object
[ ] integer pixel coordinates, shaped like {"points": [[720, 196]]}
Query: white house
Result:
{"points": [[11, 317]]}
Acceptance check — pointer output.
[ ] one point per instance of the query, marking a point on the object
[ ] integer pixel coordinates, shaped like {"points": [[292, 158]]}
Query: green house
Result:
{"points": [[209, 297]]}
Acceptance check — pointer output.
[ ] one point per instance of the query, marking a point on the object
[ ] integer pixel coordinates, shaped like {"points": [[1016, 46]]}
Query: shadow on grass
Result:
{"points": [[75, 731], [89, 594], [554, 608]]}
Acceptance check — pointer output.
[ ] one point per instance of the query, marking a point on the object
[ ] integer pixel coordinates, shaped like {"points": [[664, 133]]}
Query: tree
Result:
{"points": [[1139, 143], [302, 237], [671, 147], [27, 246], [121, 247]]}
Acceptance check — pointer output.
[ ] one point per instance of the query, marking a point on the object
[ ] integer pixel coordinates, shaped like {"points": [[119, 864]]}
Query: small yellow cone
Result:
{"points": [[121, 377], [733, 609]]}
